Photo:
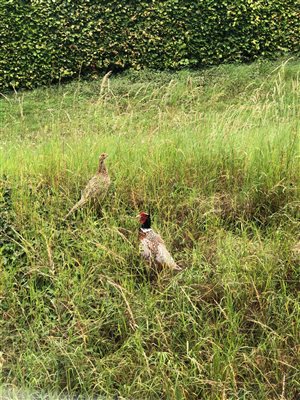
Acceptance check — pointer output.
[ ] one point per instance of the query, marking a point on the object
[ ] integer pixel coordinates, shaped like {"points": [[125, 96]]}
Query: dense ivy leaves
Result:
{"points": [[43, 41]]}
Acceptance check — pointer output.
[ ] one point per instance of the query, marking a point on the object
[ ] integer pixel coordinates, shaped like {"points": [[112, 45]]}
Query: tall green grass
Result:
{"points": [[215, 156]]}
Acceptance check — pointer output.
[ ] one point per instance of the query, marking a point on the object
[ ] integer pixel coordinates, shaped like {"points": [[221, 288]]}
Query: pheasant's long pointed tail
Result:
{"points": [[176, 267], [79, 204]]}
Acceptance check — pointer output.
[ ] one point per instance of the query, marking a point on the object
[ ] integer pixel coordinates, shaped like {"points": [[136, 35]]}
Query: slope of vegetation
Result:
{"points": [[215, 156]]}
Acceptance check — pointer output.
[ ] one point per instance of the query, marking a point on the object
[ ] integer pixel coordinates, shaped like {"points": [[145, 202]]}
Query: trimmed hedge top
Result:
{"points": [[42, 41]]}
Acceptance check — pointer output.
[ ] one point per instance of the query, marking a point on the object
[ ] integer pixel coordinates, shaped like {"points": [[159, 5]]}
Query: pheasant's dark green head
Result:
{"points": [[145, 220]]}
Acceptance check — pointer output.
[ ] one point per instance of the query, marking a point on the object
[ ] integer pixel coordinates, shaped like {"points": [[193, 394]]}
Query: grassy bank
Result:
{"points": [[215, 156]]}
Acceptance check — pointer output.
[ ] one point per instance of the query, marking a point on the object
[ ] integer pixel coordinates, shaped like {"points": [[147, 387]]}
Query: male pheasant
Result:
{"points": [[152, 246], [96, 187]]}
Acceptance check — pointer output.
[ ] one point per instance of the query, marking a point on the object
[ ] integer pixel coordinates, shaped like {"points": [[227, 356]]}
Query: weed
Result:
{"points": [[215, 155]]}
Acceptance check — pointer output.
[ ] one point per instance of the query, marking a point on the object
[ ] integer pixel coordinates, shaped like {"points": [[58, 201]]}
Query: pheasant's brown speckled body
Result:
{"points": [[152, 246], [96, 187]]}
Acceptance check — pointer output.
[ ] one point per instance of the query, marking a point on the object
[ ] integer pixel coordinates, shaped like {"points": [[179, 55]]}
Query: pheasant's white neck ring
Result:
{"points": [[145, 230]]}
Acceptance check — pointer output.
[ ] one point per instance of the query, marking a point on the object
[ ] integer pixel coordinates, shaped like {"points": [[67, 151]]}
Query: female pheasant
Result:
{"points": [[152, 246], [96, 187]]}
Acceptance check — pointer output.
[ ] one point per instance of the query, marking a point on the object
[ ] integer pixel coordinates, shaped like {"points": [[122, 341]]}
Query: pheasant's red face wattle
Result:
{"points": [[143, 217]]}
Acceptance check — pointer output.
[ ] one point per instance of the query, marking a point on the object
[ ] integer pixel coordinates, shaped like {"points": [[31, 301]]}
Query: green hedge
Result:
{"points": [[42, 41]]}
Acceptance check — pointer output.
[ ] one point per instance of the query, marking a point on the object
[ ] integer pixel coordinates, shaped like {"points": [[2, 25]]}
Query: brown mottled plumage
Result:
{"points": [[96, 187], [152, 246]]}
